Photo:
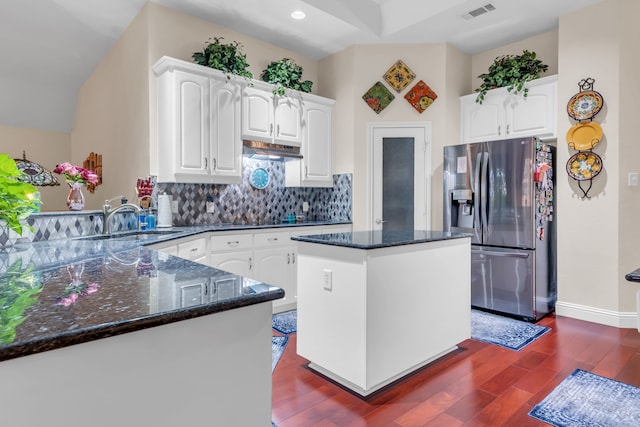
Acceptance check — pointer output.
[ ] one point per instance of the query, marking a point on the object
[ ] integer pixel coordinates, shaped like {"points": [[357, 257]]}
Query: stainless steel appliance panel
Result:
{"points": [[503, 280], [508, 196], [462, 167]]}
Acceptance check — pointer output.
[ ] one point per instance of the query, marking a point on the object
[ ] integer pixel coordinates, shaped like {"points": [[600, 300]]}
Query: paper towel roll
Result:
{"points": [[164, 211]]}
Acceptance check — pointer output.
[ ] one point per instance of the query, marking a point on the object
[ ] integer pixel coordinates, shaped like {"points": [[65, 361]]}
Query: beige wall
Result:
{"points": [[349, 74], [47, 148], [545, 46], [602, 231]]}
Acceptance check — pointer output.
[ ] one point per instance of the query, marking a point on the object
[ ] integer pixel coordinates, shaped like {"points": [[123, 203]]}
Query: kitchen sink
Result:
{"points": [[131, 235]]}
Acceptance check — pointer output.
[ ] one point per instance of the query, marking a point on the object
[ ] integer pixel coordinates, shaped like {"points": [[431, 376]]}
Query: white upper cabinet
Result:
{"points": [[270, 118], [315, 168], [198, 124], [504, 115]]}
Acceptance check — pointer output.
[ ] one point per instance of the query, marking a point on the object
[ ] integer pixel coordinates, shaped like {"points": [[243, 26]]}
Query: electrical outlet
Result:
{"points": [[633, 179], [174, 206], [305, 206], [327, 282]]}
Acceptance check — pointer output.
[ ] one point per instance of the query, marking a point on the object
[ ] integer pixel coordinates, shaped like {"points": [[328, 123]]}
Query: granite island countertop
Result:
{"points": [[120, 286], [634, 276], [375, 239]]}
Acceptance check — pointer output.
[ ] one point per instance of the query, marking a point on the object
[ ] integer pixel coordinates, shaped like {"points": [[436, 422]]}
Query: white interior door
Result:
{"points": [[400, 176]]}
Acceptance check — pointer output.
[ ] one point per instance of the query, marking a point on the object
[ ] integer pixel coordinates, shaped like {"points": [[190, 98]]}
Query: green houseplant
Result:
{"points": [[285, 73], [17, 200], [512, 72], [226, 57]]}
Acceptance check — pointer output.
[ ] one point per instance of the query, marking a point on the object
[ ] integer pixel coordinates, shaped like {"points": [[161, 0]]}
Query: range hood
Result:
{"points": [[268, 151]]}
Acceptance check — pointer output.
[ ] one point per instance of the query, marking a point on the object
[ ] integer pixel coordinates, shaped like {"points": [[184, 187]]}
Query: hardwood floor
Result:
{"points": [[477, 385]]}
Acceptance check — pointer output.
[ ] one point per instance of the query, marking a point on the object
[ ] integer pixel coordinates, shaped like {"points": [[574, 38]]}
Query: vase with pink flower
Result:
{"points": [[76, 177]]}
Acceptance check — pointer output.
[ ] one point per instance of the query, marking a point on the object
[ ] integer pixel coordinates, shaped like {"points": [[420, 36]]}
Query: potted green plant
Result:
{"points": [[512, 72], [17, 199], [285, 73], [226, 57]]}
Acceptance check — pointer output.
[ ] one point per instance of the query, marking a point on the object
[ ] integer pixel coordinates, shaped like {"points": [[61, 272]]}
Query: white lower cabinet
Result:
{"points": [[232, 253], [275, 255]]}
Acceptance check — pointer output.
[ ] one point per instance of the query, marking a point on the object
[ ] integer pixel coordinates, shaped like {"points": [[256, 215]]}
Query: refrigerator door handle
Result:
{"points": [[503, 254], [484, 189]]}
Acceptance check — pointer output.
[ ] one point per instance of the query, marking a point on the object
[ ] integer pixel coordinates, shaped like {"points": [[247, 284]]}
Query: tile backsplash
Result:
{"points": [[243, 204], [234, 203]]}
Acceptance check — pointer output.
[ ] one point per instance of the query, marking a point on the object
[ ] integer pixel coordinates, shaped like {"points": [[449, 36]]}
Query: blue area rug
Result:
{"points": [[584, 399], [285, 323], [277, 348], [504, 331]]}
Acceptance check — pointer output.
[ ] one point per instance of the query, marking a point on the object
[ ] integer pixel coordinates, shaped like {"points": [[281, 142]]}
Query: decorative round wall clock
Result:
{"points": [[259, 178]]}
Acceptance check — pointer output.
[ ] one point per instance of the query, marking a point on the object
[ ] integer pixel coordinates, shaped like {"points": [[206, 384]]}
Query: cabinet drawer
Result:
{"points": [[261, 240], [231, 242], [193, 250]]}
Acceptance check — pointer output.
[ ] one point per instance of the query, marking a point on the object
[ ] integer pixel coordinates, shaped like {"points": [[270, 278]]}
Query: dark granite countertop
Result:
{"points": [[634, 276], [69, 291], [380, 239]]}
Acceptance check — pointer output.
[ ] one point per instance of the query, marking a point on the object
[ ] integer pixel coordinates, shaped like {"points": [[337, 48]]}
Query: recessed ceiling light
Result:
{"points": [[298, 15]]}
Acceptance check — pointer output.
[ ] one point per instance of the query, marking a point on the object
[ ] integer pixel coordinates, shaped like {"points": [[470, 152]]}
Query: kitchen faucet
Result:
{"points": [[108, 212]]}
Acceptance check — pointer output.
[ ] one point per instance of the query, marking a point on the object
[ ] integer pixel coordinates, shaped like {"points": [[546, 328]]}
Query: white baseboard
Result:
{"points": [[616, 319]]}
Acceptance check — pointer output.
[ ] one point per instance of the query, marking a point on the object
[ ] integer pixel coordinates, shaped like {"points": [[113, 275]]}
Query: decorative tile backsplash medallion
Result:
{"points": [[378, 97], [421, 96], [243, 204], [399, 75]]}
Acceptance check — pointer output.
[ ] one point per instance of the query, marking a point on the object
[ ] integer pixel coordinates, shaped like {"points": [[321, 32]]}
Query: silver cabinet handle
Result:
{"points": [[381, 221], [193, 249], [206, 162], [250, 263], [288, 258], [233, 243], [293, 258], [215, 164], [271, 129], [499, 130], [507, 129], [272, 239]]}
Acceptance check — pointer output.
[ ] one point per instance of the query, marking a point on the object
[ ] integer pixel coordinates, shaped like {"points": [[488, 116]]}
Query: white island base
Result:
{"points": [[367, 317]]}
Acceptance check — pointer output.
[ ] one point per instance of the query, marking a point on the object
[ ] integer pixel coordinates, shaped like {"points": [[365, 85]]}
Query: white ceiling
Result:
{"points": [[49, 47]]}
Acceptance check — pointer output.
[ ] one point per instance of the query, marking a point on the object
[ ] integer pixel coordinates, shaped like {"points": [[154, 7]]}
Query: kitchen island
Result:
{"points": [[106, 333], [374, 306]]}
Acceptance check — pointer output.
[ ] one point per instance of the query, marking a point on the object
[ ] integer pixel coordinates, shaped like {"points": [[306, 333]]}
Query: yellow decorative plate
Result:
{"points": [[399, 75], [584, 105], [584, 135], [584, 165]]}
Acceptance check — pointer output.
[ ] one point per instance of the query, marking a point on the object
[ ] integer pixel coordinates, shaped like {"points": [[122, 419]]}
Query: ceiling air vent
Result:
{"points": [[479, 11]]}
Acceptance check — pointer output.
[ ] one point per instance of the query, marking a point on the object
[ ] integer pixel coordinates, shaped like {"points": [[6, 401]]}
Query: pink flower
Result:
{"points": [[76, 173]]}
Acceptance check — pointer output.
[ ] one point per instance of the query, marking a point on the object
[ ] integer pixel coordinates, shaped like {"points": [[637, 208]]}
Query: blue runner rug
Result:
{"points": [[584, 399], [504, 331], [277, 348], [285, 323]]}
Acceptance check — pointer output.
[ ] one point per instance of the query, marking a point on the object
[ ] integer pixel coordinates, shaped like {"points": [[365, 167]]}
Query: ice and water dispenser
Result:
{"points": [[461, 208]]}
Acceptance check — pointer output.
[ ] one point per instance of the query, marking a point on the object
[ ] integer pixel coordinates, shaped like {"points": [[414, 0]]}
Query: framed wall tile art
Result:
{"points": [[399, 76], [421, 96], [378, 97]]}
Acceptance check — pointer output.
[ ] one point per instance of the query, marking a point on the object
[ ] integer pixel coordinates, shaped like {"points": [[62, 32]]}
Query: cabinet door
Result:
{"points": [[288, 119], [273, 266], [534, 115], [192, 126], [482, 122], [315, 168], [194, 250], [225, 161], [237, 262], [257, 114]]}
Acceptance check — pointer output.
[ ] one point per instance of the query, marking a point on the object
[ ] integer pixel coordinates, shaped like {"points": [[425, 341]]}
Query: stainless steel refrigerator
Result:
{"points": [[502, 192]]}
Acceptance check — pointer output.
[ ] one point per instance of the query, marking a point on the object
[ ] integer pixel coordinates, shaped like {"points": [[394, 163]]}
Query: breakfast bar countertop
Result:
{"points": [[376, 239]]}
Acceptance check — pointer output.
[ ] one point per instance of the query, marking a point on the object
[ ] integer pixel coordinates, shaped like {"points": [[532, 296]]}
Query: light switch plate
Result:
{"points": [[633, 179], [327, 280], [174, 206]]}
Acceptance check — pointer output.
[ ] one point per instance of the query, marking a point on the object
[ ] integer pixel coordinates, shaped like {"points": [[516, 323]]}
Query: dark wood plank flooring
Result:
{"points": [[477, 385]]}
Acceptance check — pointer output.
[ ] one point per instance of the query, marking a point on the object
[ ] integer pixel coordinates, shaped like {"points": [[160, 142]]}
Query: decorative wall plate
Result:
{"points": [[399, 76], [584, 135], [584, 165], [584, 105], [259, 178], [378, 97], [421, 96]]}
